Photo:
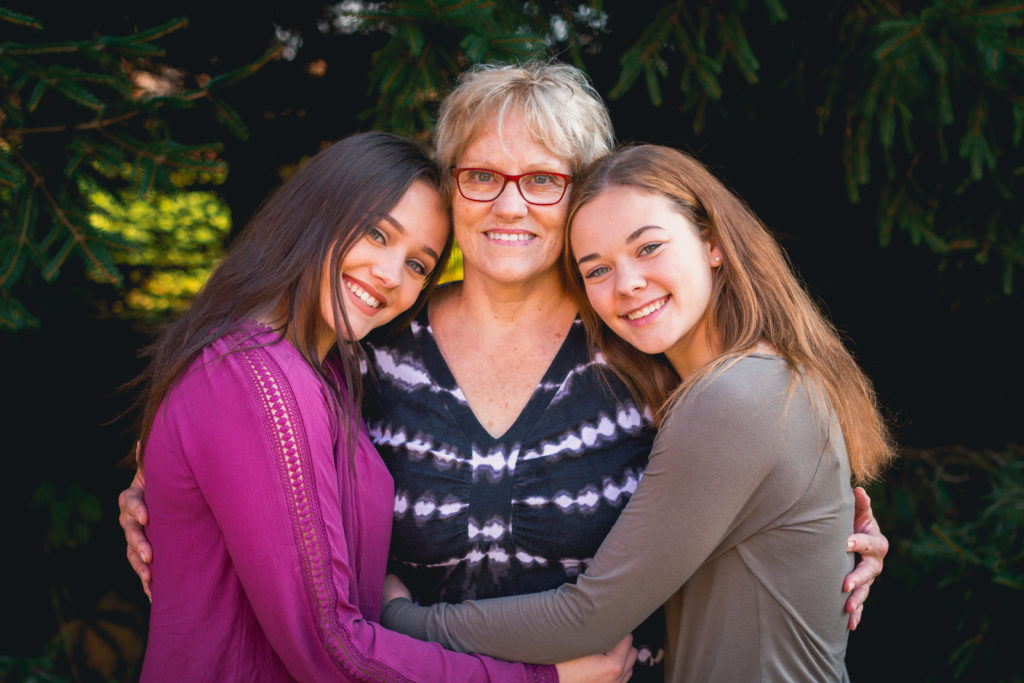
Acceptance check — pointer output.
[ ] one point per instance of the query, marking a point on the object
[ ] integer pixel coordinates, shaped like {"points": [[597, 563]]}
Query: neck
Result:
{"points": [[325, 340], [503, 304], [704, 345], [325, 337]]}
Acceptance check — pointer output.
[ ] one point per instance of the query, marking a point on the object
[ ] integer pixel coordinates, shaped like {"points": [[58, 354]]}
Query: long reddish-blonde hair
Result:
{"points": [[755, 297]]}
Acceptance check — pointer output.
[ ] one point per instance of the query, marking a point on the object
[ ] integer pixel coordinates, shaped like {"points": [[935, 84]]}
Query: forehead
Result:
{"points": [[421, 214], [508, 145], [617, 212]]}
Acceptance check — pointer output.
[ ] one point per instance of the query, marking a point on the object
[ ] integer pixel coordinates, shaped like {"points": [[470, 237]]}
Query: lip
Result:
{"points": [[661, 302], [520, 238], [360, 306]]}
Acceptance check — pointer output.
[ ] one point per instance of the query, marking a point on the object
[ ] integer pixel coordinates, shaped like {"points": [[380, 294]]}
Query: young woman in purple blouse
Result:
{"points": [[270, 510]]}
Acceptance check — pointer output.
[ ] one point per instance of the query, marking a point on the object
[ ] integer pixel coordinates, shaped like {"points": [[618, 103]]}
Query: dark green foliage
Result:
{"points": [[32, 669], [418, 64], [71, 513], [914, 115], [77, 115], [931, 103], [956, 519], [697, 43], [928, 97], [923, 102]]}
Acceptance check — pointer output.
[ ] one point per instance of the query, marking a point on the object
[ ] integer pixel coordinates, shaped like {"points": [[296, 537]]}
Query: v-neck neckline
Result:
{"points": [[459, 407]]}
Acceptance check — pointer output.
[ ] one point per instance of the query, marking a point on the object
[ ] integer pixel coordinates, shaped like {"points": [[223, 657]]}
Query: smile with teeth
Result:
{"points": [[510, 237], [646, 310], [362, 294]]}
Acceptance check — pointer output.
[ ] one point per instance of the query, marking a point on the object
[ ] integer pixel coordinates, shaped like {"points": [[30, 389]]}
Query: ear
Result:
{"points": [[715, 258]]}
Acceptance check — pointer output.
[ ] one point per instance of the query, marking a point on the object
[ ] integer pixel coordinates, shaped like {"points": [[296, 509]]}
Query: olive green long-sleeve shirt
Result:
{"points": [[739, 526]]}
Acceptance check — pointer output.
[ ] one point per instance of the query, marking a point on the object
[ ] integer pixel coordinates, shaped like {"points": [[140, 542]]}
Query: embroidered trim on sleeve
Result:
{"points": [[282, 419]]}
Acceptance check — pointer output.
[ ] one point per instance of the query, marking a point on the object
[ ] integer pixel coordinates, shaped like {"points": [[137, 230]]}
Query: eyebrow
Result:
{"points": [[631, 238], [401, 228], [541, 166]]}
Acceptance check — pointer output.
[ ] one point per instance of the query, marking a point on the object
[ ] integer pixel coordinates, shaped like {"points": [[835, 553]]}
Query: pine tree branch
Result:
{"points": [[78, 236], [95, 124], [22, 241]]}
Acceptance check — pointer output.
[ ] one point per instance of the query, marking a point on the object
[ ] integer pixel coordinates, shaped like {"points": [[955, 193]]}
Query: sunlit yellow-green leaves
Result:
{"points": [[74, 110], [454, 269], [177, 240]]}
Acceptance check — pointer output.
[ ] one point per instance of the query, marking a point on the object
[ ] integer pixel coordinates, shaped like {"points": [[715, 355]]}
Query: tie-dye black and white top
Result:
{"points": [[478, 516]]}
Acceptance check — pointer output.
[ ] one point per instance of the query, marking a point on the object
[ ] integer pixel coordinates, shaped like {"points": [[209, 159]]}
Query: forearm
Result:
{"points": [[547, 627], [640, 564]]}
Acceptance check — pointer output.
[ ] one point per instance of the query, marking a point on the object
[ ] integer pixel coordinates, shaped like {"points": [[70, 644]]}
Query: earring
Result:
{"points": [[718, 260]]}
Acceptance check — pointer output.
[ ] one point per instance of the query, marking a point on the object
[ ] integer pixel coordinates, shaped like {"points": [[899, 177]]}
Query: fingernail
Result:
{"points": [[849, 545]]}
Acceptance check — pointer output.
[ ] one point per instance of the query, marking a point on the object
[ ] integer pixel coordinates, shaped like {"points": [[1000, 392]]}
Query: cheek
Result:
{"points": [[553, 217], [700, 288], [465, 213], [707, 281], [326, 312], [602, 303], [407, 293]]}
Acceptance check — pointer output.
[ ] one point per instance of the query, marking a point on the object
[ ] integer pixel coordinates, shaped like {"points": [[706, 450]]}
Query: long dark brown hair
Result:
{"points": [[274, 267], [755, 297]]}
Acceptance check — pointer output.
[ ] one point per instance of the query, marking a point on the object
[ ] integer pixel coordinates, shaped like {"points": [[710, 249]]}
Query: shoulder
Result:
{"points": [[243, 372], [742, 394], [740, 383], [398, 362]]}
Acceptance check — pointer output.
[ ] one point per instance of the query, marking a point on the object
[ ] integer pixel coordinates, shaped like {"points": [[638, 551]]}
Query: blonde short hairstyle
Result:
{"points": [[560, 108]]}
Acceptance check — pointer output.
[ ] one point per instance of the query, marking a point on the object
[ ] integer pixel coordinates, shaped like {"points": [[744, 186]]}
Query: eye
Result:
{"points": [[546, 181], [377, 235], [481, 176], [596, 272], [417, 267], [649, 248]]}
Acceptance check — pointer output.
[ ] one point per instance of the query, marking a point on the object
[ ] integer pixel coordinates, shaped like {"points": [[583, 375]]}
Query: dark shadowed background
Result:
{"points": [[937, 329]]}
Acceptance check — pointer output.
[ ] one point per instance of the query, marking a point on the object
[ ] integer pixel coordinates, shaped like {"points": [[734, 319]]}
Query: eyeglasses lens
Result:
{"points": [[536, 188]]}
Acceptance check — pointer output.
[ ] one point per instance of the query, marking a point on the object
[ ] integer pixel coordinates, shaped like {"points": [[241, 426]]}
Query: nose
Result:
{"points": [[388, 270], [510, 202], [629, 280]]}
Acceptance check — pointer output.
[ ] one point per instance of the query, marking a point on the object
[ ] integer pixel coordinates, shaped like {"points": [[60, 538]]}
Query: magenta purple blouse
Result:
{"points": [[270, 538]]}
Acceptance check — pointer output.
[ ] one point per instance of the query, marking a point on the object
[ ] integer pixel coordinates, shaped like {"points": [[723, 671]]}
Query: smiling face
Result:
{"points": [[508, 240], [648, 274], [384, 271]]}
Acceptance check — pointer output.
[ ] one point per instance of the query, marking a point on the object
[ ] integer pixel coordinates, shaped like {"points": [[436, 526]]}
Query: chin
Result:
{"points": [[520, 272], [651, 348]]}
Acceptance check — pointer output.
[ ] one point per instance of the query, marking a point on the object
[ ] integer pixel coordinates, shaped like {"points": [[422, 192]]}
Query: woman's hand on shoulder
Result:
{"points": [[134, 516], [614, 666], [871, 545]]}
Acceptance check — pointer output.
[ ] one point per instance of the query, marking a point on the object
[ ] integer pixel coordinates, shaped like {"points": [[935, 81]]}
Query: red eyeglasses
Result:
{"points": [[484, 185]]}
